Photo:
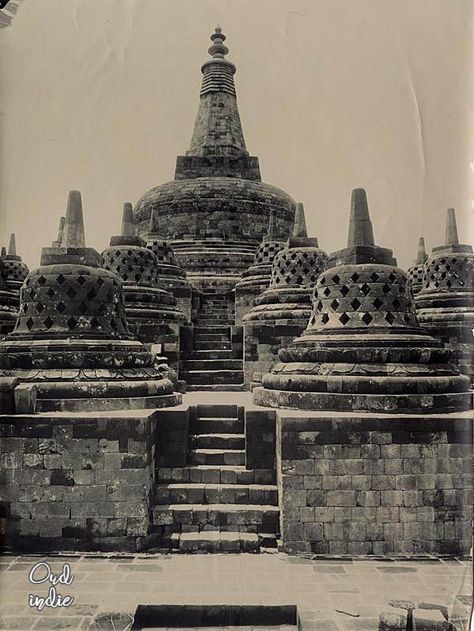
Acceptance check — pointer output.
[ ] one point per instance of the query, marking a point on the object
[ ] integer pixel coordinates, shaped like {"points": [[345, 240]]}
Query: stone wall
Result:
{"points": [[372, 485], [245, 300], [76, 482], [262, 341]]}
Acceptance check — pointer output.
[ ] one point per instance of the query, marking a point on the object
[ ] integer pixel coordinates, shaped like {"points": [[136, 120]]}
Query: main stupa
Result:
{"points": [[216, 211]]}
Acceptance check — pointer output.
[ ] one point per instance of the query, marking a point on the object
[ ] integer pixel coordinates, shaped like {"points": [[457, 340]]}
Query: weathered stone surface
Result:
{"points": [[341, 494], [445, 302], [363, 348], [416, 272], [217, 210], [12, 274], [71, 337]]}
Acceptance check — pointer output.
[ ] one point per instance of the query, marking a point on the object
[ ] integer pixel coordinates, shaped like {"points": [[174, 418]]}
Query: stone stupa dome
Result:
{"points": [[216, 211]]}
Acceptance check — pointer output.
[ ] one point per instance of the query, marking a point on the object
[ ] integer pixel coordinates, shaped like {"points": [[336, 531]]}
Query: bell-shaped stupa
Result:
{"points": [[171, 277], [415, 272], [152, 313], [258, 276], [295, 269], [363, 348], [282, 311], [445, 303], [71, 342], [13, 272]]}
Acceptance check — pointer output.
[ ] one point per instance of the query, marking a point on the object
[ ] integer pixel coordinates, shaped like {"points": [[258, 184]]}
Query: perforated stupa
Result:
{"points": [[363, 348]]}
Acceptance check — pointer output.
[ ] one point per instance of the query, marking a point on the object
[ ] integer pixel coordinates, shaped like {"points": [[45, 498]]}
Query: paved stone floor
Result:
{"points": [[331, 595]]}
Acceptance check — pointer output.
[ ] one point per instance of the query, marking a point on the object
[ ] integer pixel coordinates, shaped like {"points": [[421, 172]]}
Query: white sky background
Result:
{"points": [[101, 95]]}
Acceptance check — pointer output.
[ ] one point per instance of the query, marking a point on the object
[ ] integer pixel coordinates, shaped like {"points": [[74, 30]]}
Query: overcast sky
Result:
{"points": [[101, 96]]}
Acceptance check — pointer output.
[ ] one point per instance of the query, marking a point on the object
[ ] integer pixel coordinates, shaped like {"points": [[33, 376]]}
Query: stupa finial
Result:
{"points": [[360, 226], [451, 228], [299, 225], [128, 225], [152, 223], [218, 49], [422, 256], [12, 245], [4, 251], [59, 239], [73, 233], [271, 227]]}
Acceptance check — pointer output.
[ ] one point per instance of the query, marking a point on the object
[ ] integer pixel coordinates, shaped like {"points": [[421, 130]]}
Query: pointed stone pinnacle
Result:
{"points": [[451, 228], [422, 256], [152, 223], [73, 233], [271, 227], [4, 251], [59, 239], [299, 225], [360, 226], [12, 245], [128, 225]]}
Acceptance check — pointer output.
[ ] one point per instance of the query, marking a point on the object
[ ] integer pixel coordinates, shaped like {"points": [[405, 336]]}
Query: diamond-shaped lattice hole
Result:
{"points": [[48, 323], [396, 304], [60, 307], [81, 280], [334, 304], [113, 324], [327, 291], [344, 290], [336, 279], [355, 304], [448, 283], [29, 323], [71, 292], [377, 303], [325, 318], [367, 318], [41, 280], [386, 288], [319, 305], [390, 318], [344, 318], [39, 307], [60, 279], [92, 293], [374, 276], [50, 292], [95, 324], [322, 280], [100, 281], [407, 318], [365, 289], [72, 322], [82, 307], [355, 277], [391, 277]]}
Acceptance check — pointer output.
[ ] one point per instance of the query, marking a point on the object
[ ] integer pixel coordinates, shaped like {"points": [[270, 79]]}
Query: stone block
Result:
{"points": [[394, 619], [430, 620]]}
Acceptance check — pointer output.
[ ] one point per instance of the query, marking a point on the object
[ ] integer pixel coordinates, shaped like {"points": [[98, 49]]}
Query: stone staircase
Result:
{"points": [[212, 364], [215, 504]]}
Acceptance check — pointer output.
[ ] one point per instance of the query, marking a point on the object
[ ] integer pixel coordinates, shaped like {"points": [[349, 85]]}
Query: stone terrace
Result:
{"points": [[337, 595]]}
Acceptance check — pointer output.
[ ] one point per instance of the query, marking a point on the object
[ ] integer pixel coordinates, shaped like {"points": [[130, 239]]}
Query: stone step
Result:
{"points": [[217, 441], [212, 337], [190, 493], [205, 377], [211, 329], [216, 456], [213, 364], [248, 517], [215, 474], [219, 387], [215, 541], [217, 425], [211, 354], [214, 345], [221, 410]]}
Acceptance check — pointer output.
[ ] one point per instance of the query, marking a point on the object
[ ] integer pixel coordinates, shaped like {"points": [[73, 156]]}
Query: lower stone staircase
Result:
{"points": [[215, 504]]}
